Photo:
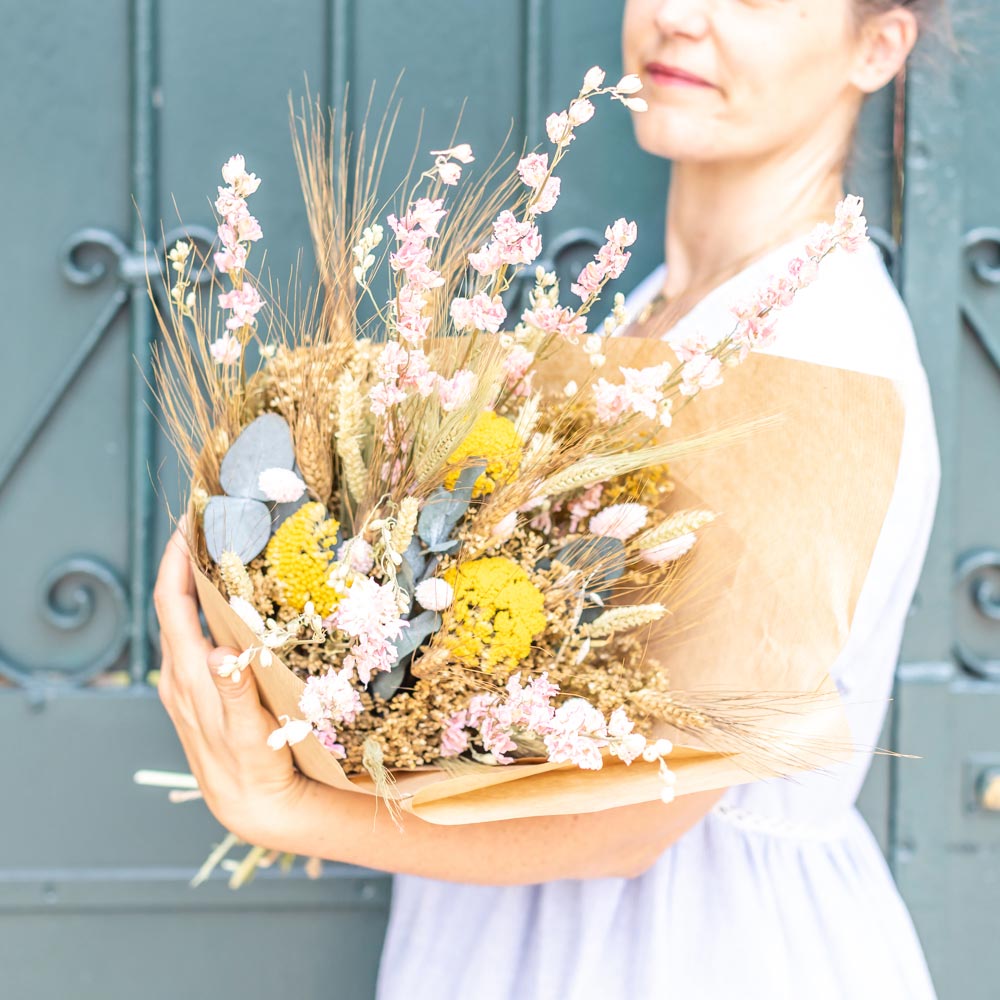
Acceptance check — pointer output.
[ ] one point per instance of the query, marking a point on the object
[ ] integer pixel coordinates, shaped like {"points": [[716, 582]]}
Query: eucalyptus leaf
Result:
{"points": [[280, 512], [590, 612], [415, 557], [421, 627], [235, 524], [407, 584], [600, 559], [387, 683], [467, 480], [266, 443], [429, 568], [443, 509]]}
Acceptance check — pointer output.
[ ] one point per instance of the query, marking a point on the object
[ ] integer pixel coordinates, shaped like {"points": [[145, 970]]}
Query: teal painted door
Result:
{"points": [[945, 839], [104, 101]]}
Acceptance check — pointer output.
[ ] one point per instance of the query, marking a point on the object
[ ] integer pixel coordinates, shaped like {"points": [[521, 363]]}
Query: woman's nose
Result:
{"points": [[683, 17]]}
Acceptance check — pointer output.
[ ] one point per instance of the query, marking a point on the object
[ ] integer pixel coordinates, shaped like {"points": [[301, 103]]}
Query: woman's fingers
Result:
{"points": [[174, 594], [221, 723], [176, 601], [243, 714]]}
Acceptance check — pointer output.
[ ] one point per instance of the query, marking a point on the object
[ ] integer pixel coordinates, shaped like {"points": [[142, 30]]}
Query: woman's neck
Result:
{"points": [[722, 216]]}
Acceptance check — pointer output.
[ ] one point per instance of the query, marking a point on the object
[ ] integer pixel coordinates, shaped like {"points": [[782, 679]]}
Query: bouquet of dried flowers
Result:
{"points": [[449, 562]]}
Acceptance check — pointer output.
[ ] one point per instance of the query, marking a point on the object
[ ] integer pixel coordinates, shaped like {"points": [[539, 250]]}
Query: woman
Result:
{"points": [[774, 889]]}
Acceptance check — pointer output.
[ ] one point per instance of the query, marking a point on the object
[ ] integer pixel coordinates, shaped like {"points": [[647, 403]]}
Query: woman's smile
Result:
{"points": [[662, 75]]}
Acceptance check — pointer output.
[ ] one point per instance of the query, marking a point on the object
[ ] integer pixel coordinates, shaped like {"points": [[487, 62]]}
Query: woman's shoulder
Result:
{"points": [[850, 317]]}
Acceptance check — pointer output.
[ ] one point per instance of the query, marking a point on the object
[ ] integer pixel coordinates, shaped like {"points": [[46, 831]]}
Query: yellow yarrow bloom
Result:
{"points": [[301, 555], [497, 612], [646, 486], [495, 440]]}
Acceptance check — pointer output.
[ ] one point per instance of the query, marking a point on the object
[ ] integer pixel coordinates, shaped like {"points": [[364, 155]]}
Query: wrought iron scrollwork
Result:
{"points": [[982, 251], [568, 254], [982, 254], [86, 259], [72, 593], [90, 258], [978, 573]]}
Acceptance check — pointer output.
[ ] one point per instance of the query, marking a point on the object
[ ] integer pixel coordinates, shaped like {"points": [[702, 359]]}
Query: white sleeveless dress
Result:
{"points": [[780, 893]]}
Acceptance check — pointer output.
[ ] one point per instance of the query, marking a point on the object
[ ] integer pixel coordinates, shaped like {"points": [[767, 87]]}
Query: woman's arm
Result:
{"points": [[257, 794], [623, 842]]}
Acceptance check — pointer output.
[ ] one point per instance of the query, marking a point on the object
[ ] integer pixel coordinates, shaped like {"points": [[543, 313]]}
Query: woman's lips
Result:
{"points": [[673, 76]]}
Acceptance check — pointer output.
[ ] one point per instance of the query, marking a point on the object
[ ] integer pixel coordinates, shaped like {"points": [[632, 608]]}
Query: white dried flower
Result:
{"points": [[630, 84], [669, 779], [657, 749], [281, 485], [178, 255], [434, 594], [291, 731], [371, 236], [580, 111], [620, 520], [358, 554], [635, 103], [504, 528], [234, 173], [248, 613], [233, 666], [629, 747], [462, 152], [593, 78]]}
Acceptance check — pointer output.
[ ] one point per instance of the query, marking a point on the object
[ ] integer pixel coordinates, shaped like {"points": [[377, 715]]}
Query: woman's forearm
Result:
{"points": [[346, 827]]}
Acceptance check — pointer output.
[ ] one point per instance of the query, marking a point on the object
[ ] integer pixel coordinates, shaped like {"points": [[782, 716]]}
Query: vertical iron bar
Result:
{"points": [[533, 69], [143, 139], [930, 283], [339, 35]]}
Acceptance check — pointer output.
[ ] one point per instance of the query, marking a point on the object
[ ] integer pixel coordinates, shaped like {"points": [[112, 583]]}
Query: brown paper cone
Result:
{"points": [[801, 501]]}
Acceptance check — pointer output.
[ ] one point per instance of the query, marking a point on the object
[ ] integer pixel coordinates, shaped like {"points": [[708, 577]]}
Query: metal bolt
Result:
{"points": [[988, 789]]}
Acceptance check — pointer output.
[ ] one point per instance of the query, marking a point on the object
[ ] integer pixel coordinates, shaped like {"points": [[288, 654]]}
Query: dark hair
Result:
{"points": [[926, 11], [933, 17]]}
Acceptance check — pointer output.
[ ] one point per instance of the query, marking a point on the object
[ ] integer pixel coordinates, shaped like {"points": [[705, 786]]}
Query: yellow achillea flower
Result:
{"points": [[497, 612], [494, 439], [301, 555], [647, 486]]}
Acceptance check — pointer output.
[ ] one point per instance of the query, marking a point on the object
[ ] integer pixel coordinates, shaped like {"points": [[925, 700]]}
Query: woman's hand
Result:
{"points": [[221, 723]]}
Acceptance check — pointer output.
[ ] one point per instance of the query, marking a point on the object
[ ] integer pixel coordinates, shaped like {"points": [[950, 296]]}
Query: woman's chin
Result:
{"points": [[674, 137]]}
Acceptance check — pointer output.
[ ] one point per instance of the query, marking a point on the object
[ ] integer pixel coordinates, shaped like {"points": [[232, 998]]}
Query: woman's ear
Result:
{"points": [[885, 40]]}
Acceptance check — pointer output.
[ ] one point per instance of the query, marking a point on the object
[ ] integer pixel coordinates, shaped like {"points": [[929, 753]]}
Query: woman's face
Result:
{"points": [[729, 79]]}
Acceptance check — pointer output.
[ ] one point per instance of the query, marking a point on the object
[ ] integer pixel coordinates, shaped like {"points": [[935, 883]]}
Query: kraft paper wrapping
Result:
{"points": [[801, 501]]}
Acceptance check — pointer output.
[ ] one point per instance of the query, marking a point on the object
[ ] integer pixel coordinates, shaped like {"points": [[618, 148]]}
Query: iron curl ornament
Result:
{"points": [[71, 597], [982, 255], [77, 587], [978, 574]]}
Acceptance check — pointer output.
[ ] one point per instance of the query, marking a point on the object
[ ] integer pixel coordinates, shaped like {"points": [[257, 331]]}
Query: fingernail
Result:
{"points": [[218, 654]]}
